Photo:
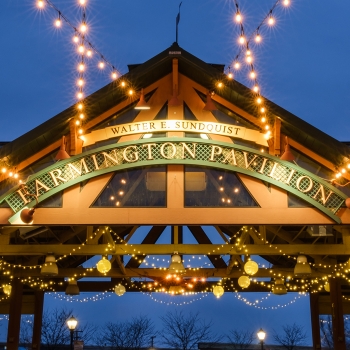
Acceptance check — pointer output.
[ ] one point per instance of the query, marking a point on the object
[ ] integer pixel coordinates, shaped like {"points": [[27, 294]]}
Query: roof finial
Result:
{"points": [[177, 22]]}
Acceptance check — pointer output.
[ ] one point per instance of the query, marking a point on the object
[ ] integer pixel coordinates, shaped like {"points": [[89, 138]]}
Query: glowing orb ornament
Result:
{"points": [[7, 289], [251, 267], [244, 281], [218, 291], [104, 265], [327, 287], [119, 290]]}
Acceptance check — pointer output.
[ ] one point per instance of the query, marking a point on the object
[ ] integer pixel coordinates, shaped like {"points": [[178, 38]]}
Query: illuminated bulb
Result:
{"points": [[252, 74], [80, 131], [82, 2], [255, 88], [271, 21], [3, 170], [75, 38], [15, 176], [238, 17], [258, 38], [89, 53], [348, 165], [123, 83], [130, 92], [259, 100], [241, 39], [10, 173], [40, 4], [114, 75], [81, 49], [343, 170], [83, 27], [80, 95], [336, 175], [248, 53], [230, 75], [237, 65], [249, 59], [81, 116], [263, 119], [58, 22], [101, 65], [77, 122], [81, 67], [80, 82], [80, 106], [262, 110], [267, 127], [286, 2], [220, 84]]}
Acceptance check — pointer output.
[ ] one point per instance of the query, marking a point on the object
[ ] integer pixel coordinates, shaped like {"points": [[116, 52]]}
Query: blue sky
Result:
{"points": [[302, 65]]}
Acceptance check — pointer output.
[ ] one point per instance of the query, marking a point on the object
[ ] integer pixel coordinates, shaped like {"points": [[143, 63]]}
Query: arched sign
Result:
{"points": [[162, 151]]}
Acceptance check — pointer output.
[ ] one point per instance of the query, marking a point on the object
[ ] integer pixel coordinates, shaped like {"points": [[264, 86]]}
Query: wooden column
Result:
{"points": [[315, 321], [38, 319], [14, 324], [337, 314]]}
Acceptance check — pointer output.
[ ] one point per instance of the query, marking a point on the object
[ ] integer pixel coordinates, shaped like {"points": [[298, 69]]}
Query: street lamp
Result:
{"points": [[261, 335], [72, 323]]}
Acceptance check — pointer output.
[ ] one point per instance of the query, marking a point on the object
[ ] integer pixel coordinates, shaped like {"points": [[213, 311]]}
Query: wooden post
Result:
{"points": [[315, 321], [14, 324], [337, 314], [38, 319]]}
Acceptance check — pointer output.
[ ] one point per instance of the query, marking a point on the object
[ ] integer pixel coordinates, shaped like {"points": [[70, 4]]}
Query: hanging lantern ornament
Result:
{"points": [[7, 289], [119, 290], [327, 287], [50, 267], [251, 267], [218, 291], [244, 281], [279, 287], [302, 267], [104, 265]]}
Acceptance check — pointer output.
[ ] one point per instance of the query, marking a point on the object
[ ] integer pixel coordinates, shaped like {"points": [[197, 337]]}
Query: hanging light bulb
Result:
{"points": [[7, 289], [81, 48], [256, 88], [259, 100], [75, 38], [257, 38], [262, 109], [82, 2], [286, 2], [230, 75], [81, 67], [81, 116], [252, 74], [80, 106], [237, 65], [101, 65], [80, 95], [241, 39], [263, 119], [83, 27], [114, 75], [40, 4], [89, 53], [80, 82], [80, 131], [249, 59], [58, 22], [218, 291], [271, 20], [238, 17]]}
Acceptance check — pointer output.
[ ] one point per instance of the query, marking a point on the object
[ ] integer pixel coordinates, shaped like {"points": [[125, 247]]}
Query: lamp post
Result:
{"points": [[261, 335], [72, 323]]}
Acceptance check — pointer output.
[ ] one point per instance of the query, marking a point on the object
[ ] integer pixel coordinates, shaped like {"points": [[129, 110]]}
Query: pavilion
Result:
{"points": [[175, 143]]}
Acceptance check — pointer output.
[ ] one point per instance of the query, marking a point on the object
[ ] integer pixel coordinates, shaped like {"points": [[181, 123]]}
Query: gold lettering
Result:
{"points": [[134, 155], [261, 171], [57, 177], [149, 149], [323, 195], [95, 161], [113, 160], [230, 155], [215, 151], [290, 176], [39, 186], [247, 165], [309, 188], [168, 155], [272, 173], [22, 195], [73, 168], [191, 153]]}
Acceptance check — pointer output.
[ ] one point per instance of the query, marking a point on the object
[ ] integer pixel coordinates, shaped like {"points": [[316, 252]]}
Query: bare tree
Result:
{"points": [[132, 335], [326, 332], [293, 336], [185, 332], [240, 339]]}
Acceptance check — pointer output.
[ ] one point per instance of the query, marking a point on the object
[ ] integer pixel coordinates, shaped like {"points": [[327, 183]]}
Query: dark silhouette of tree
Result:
{"points": [[240, 339], [132, 335], [184, 332], [326, 332], [292, 336]]}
